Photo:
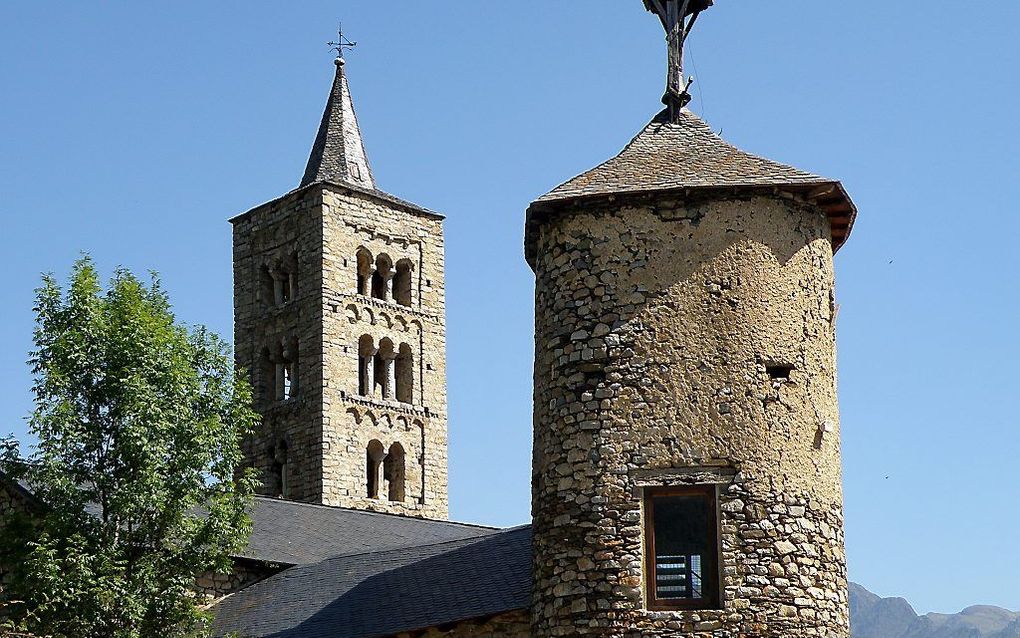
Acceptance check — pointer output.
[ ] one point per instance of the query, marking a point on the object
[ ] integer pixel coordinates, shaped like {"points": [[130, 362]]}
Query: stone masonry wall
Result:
{"points": [[265, 238], [354, 222], [214, 586], [510, 625], [328, 427], [12, 502], [657, 324]]}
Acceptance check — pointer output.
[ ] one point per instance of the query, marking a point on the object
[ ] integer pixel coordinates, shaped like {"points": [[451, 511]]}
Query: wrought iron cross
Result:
{"points": [[678, 18], [341, 43]]}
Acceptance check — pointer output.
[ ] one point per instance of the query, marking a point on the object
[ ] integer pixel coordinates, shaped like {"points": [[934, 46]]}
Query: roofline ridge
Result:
{"points": [[376, 193], [470, 540], [355, 510]]}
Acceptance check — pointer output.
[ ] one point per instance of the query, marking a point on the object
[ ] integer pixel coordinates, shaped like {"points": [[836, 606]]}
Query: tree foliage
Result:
{"points": [[139, 421]]}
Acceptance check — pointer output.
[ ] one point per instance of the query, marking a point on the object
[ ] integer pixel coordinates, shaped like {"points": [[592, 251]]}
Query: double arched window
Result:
{"points": [[279, 280], [385, 371], [385, 471], [381, 279]]}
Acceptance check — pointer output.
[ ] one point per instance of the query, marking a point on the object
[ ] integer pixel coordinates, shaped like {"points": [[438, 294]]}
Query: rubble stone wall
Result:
{"points": [[12, 501], [660, 325], [510, 625], [269, 237], [244, 574]]}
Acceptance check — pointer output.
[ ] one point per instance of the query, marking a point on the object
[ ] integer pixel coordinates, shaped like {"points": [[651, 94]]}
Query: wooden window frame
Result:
{"points": [[712, 589]]}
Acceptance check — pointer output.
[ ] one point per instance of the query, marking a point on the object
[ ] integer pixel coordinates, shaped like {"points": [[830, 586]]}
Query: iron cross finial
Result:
{"points": [[341, 43]]}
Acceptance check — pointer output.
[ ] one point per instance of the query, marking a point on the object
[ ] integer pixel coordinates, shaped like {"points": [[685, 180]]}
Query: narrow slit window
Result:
{"points": [[682, 548]]}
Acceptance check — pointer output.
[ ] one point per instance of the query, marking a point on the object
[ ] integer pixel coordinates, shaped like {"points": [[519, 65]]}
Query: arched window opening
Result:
{"points": [[373, 465], [402, 283], [288, 279], [267, 376], [267, 286], [286, 371], [278, 281], [393, 473], [382, 278], [366, 269], [280, 479], [405, 374], [384, 373], [366, 366]]}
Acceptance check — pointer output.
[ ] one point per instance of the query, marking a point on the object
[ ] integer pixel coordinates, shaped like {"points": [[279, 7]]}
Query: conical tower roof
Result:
{"points": [[338, 155], [682, 154]]}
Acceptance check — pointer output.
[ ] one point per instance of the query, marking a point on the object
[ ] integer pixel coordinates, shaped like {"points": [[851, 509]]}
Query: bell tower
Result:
{"points": [[339, 317], [686, 471]]}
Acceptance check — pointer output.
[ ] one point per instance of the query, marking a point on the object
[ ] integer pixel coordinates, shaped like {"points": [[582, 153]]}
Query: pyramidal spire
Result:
{"points": [[338, 154]]}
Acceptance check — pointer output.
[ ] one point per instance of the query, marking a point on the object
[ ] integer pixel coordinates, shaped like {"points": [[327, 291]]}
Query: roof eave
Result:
{"points": [[829, 195], [376, 195], [18, 488]]}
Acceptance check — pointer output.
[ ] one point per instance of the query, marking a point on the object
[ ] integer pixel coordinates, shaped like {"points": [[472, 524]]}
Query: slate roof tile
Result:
{"points": [[295, 533], [382, 593], [685, 155], [338, 154]]}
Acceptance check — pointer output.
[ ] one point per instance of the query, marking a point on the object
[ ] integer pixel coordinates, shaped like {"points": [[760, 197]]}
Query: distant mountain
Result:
{"points": [[874, 617]]}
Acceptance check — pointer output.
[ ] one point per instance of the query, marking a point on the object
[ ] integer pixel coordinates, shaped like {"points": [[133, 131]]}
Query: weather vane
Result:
{"points": [[341, 43]]}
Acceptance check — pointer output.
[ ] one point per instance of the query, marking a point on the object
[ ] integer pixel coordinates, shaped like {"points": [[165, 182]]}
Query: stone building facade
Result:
{"points": [[15, 501], [340, 319], [244, 573]]}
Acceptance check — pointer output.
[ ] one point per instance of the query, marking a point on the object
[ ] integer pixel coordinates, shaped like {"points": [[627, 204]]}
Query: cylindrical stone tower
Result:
{"points": [[686, 475]]}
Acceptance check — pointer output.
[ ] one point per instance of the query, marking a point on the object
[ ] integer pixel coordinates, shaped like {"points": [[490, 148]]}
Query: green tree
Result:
{"points": [[139, 421]]}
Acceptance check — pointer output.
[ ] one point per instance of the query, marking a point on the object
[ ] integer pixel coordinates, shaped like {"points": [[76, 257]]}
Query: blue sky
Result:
{"points": [[134, 130]]}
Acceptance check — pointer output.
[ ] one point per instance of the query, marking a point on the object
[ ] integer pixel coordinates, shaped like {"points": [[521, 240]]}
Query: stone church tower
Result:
{"points": [[686, 455], [339, 316]]}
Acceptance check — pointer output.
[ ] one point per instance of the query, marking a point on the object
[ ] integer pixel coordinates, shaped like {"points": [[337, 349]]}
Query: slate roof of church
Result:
{"points": [[295, 533], [381, 593], [357, 574], [686, 155]]}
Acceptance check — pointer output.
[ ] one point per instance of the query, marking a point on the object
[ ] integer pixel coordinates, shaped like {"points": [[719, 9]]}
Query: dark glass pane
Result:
{"points": [[681, 547]]}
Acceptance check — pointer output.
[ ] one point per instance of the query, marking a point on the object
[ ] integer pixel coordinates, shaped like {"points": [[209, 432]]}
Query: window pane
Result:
{"points": [[681, 546]]}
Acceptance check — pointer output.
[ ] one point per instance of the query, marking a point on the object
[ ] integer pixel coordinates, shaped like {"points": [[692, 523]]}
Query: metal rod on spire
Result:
{"points": [[678, 18]]}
